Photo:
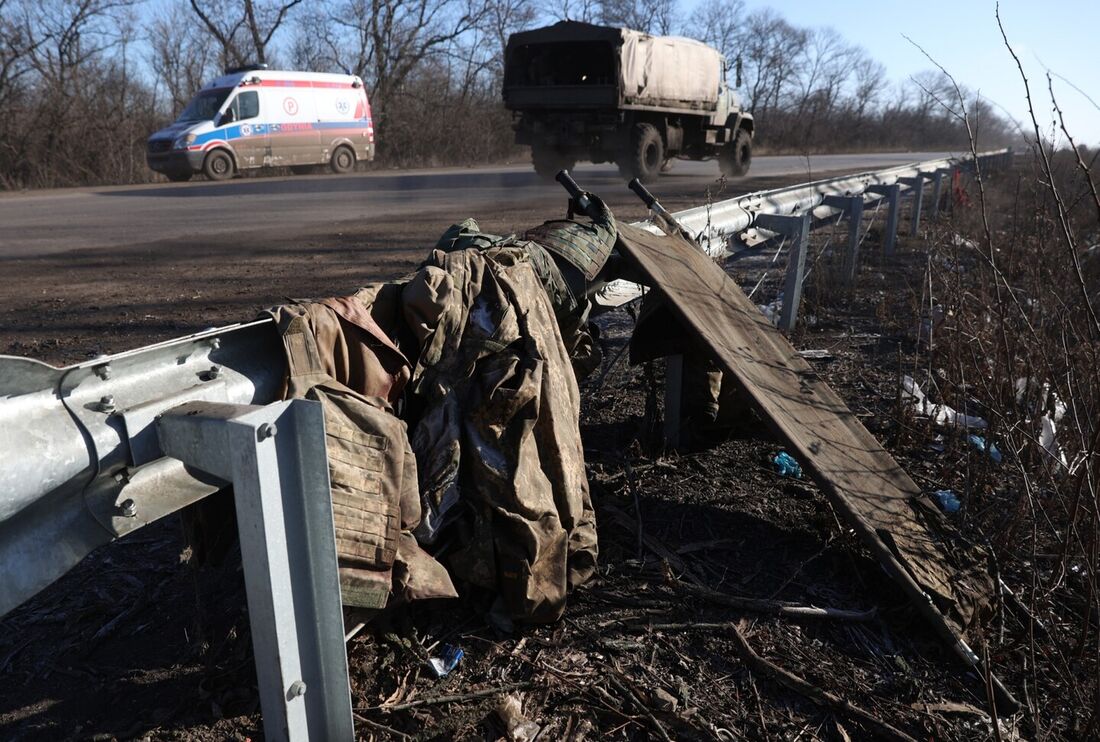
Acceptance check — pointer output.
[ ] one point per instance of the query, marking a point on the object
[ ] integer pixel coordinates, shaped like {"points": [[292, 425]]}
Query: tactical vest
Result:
{"points": [[372, 469], [586, 246]]}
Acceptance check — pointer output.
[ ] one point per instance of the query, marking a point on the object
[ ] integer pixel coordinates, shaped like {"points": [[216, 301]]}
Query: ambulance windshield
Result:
{"points": [[205, 105]]}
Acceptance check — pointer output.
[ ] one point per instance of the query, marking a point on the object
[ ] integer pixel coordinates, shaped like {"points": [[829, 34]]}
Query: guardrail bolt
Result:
{"points": [[213, 373], [266, 430], [215, 343], [296, 690], [104, 371], [106, 403], [128, 508]]}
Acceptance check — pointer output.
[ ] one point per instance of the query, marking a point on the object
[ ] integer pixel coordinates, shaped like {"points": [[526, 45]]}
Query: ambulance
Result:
{"points": [[254, 117]]}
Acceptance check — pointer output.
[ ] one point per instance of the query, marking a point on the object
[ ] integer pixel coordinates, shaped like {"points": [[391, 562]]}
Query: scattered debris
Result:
{"points": [[517, 726], [930, 321], [947, 501], [772, 311], [448, 659], [940, 414], [816, 355], [991, 448], [786, 465]]}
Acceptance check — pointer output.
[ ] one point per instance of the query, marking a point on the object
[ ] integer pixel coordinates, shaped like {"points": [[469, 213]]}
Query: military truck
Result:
{"points": [[581, 91]]}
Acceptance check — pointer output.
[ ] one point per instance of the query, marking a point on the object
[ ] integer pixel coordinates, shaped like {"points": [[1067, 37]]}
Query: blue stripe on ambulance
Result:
{"points": [[234, 132]]}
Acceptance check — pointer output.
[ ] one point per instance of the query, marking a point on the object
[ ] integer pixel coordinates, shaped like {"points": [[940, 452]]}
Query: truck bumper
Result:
{"points": [[566, 133]]}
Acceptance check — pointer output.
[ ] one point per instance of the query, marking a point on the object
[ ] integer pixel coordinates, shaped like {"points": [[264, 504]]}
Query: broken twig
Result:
{"points": [[457, 698], [819, 696]]}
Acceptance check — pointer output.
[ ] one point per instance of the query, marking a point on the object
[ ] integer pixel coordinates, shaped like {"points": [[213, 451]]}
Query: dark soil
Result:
{"points": [[138, 642]]}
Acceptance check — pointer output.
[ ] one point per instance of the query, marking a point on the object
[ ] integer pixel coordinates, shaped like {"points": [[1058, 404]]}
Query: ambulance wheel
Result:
{"points": [[178, 177], [343, 160], [218, 165]]}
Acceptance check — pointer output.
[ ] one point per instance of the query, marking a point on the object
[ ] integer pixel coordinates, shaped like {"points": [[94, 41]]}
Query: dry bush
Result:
{"points": [[1019, 347]]}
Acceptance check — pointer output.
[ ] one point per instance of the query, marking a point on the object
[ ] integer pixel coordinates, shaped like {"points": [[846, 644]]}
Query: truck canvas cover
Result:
{"points": [[649, 71], [668, 71]]}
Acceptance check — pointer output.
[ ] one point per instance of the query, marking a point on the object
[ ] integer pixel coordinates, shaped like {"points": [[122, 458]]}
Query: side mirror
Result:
{"points": [[226, 118]]}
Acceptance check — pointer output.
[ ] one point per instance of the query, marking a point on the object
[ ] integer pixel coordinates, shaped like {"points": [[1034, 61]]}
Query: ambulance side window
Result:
{"points": [[246, 105]]}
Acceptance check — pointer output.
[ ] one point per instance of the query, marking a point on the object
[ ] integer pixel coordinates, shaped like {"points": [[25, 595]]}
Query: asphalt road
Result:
{"points": [[45, 222]]}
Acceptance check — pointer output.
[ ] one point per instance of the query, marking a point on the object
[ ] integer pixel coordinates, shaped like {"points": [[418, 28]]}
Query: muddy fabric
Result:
{"points": [[498, 446], [564, 283], [338, 355]]}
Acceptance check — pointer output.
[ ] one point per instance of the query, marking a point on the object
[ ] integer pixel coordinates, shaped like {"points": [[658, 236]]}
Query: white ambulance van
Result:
{"points": [[255, 117]]}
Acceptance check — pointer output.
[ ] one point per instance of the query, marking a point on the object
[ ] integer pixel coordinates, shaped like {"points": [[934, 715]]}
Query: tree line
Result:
{"points": [[84, 82]]}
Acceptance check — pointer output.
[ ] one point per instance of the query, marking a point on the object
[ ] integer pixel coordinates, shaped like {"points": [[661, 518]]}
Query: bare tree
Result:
{"points": [[179, 54], [388, 39], [770, 50], [585, 11], [720, 23], [243, 30], [652, 16]]}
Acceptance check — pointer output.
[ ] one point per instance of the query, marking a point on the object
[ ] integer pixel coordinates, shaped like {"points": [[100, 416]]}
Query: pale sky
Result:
{"points": [[962, 35]]}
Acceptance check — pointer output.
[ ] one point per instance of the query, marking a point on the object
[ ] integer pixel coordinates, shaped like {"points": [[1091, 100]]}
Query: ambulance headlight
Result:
{"points": [[183, 142]]}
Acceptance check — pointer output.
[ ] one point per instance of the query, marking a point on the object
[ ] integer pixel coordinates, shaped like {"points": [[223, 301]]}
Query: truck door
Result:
{"points": [[244, 129]]}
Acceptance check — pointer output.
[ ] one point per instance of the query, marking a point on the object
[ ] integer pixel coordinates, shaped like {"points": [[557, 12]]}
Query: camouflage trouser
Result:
{"points": [[375, 499], [498, 445]]}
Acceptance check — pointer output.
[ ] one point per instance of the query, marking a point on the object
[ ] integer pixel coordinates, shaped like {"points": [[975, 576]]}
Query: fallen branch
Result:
{"points": [[819, 696], [393, 733], [457, 698], [772, 607], [637, 702]]}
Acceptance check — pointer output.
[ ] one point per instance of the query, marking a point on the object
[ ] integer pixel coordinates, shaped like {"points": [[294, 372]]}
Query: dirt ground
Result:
{"points": [[139, 643]]}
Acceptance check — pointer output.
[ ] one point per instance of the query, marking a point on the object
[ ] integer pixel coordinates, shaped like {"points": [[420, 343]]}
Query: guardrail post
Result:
{"points": [[797, 228], [916, 185], [853, 209], [674, 394], [892, 194], [276, 460], [937, 191]]}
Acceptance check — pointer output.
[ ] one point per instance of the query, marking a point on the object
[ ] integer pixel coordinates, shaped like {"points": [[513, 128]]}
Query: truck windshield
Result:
{"points": [[205, 105]]}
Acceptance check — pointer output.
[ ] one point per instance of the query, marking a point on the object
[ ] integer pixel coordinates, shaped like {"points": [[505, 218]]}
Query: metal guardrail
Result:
{"points": [[86, 460], [83, 465], [793, 211]]}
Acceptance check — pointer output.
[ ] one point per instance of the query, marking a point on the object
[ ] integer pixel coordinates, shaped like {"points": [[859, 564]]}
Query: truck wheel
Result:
{"points": [[736, 157], [218, 165], [548, 161], [343, 160], [646, 154]]}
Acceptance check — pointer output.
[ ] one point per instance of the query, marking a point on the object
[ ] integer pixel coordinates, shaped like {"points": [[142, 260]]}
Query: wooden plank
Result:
{"points": [[861, 479]]}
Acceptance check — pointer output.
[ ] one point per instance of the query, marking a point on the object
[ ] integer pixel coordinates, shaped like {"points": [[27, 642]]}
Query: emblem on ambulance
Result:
{"points": [[246, 130], [343, 106], [290, 106]]}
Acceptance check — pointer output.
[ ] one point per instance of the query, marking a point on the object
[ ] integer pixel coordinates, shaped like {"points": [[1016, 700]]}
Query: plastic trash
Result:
{"points": [[448, 659], [518, 727], [947, 501], [991, 448], [940, 414], [786, 465]]}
